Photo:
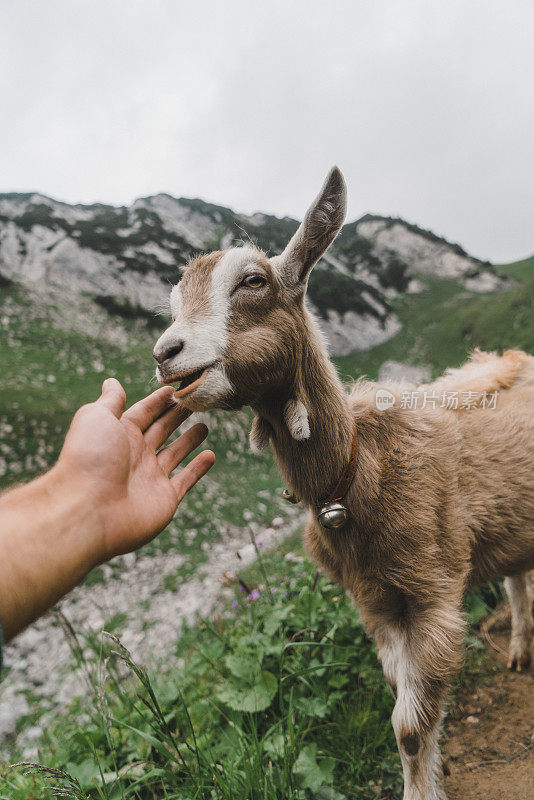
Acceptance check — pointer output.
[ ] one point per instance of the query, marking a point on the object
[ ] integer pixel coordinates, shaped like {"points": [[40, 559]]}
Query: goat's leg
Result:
{"points": [[418, 663], [416, 721], [519, 657]]}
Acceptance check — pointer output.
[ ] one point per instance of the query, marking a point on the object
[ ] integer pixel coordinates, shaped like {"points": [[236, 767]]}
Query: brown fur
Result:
{"points": [[442, 499], [195, 285]]}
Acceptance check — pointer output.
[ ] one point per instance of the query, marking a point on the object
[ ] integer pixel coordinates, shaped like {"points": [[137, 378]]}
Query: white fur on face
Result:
{"points": [[227, 274], [205, 338]]}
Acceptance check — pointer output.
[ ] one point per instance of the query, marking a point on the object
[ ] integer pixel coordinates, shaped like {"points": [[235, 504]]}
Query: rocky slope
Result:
{"points": [[125, 257]]}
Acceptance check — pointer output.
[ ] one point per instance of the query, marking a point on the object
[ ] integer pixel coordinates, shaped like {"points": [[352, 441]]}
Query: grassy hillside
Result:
{"points": [[444, 322]]}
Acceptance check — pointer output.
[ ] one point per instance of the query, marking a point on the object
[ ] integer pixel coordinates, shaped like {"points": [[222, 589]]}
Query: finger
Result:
{"points": [[196, 469], [147, 410], [160, 430], [113, 397], [170, 456]]}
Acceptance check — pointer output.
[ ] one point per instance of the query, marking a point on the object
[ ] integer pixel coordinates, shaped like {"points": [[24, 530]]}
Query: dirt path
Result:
{"points": [[490, 752]]}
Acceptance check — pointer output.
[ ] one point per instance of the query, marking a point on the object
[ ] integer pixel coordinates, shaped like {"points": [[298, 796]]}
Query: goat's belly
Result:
{"points": [[509, 554]]}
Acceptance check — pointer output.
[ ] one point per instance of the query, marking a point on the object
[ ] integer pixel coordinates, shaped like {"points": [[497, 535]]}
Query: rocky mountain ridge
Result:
{"points": [[125, 257]]}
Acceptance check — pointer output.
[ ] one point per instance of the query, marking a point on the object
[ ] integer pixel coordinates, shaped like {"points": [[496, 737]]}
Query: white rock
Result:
{"points": [[397, 371]]}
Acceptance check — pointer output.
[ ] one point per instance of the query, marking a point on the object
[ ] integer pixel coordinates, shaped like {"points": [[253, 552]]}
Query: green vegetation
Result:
{"points": [[265, 708], [100, 232], [272, 234], [111, 232], [37, 214], [355, 248], [218, 214], [444, 322], [330, 289], [267, 232], [281, 696], [394, 274]]}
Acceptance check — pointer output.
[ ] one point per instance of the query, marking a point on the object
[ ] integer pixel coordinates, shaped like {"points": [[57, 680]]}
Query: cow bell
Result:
{"points": [[333, 515]]}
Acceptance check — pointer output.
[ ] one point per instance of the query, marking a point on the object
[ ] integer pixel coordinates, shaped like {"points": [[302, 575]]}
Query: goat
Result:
{"points": [[442, 498]]}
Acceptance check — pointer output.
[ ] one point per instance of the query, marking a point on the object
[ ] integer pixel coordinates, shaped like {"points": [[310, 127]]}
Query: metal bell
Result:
{"points": [[333, 515]]}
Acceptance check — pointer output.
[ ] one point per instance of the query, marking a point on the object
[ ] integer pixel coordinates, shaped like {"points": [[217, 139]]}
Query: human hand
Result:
{"points": [[113, 455]]}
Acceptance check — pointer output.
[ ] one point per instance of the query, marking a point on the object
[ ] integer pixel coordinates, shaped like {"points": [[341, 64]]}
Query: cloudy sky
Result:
{"points": [[427, 106]]}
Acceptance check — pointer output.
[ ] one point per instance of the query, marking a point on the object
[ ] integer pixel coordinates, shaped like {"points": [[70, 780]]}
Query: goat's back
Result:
{"points": [[490, 463]]}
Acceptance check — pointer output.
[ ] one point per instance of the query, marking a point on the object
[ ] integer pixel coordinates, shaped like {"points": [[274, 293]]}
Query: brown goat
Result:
{"points": [[442, 499]]}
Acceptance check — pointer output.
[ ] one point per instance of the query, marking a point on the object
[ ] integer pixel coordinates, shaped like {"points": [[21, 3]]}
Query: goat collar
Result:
{"points": [[343, 484]]}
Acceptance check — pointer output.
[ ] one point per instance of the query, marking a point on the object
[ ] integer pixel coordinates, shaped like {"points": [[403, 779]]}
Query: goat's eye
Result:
{"points": [[253, 281]]}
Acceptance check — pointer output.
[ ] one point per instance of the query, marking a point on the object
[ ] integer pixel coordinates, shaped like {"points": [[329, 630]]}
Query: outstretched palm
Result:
{"points": [[130, 482]]}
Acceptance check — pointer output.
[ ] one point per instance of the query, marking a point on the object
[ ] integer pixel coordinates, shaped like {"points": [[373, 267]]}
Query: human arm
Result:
{"points": [[109, 493]]}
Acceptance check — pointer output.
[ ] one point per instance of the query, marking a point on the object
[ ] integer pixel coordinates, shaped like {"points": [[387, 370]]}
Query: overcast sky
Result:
{"points": [[427, 106]]}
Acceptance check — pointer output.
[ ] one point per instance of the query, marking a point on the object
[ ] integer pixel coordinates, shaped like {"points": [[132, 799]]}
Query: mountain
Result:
{"points": [[125, 257]]}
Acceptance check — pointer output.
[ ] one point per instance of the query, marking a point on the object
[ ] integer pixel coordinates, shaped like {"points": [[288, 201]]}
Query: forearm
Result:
{"points": [[49, 540]]}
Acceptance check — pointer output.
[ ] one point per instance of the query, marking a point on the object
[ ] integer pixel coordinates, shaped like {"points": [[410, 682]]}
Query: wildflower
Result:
{"points": [[234, 604], [260, 544], [254, 595], [273, 589]]}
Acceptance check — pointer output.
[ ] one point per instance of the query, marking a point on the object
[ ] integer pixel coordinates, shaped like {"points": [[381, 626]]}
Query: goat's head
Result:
{"points": [[238, 316]]}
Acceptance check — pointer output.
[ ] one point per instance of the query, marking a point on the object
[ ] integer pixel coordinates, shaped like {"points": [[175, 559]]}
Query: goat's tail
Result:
{"points": [[487, 372]]}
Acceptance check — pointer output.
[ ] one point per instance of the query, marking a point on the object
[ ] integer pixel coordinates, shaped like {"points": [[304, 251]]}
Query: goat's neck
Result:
{"points": [[312, 467]]}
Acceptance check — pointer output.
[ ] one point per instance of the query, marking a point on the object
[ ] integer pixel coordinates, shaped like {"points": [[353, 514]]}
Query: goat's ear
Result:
{"points": [[318, 230]]}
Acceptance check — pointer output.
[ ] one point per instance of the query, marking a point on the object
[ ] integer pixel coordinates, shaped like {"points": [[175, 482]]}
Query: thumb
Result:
{"points": [[113, 397]]}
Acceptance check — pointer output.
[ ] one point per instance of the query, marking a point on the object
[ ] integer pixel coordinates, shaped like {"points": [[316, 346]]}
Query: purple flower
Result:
{"points": [[234, 604], [260, 544], [273, 589], [254, 595], [241, 589]]}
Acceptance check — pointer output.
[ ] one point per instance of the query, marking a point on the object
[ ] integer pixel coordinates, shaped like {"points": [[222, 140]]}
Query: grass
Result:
{"points": [[265, 707], [444, 322], [281, 695]]}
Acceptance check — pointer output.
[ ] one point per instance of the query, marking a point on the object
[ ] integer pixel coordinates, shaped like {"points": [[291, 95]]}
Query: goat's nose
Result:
{"points": [[162, 354]]}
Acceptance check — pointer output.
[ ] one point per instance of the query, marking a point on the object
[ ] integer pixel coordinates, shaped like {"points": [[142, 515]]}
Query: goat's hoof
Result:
{"points": [[519, 657]]}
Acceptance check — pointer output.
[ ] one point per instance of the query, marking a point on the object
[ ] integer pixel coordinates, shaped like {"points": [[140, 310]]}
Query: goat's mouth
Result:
{"points": [[188, 382]]}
